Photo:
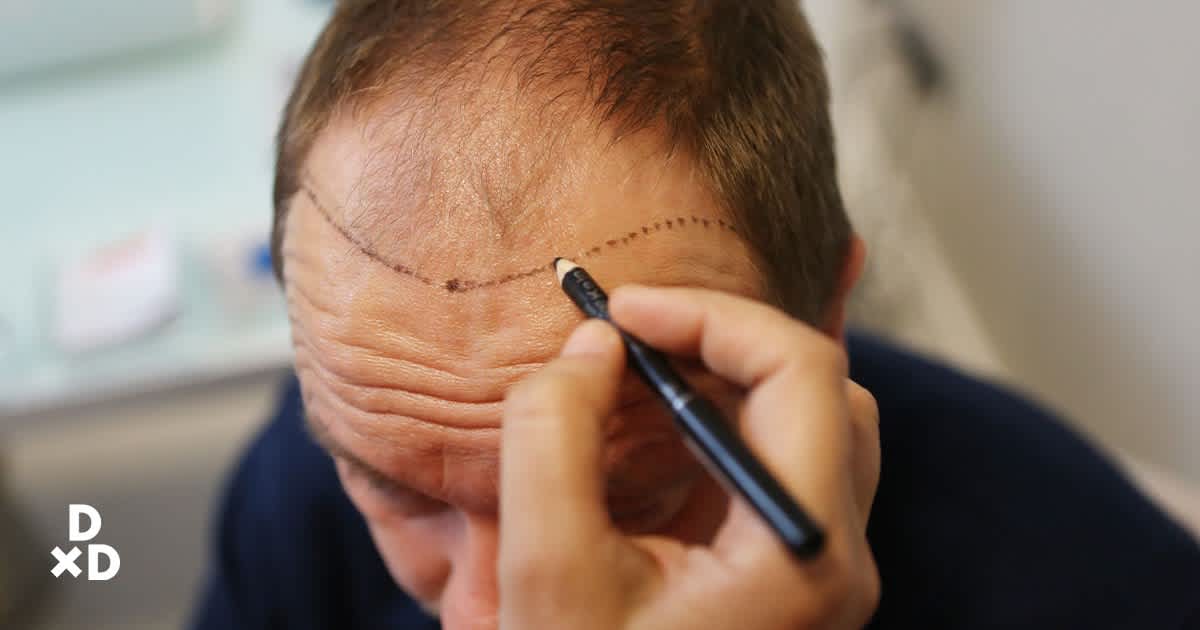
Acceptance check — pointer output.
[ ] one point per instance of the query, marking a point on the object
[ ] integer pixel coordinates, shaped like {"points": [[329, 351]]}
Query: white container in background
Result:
{"points": [[117, 293]]}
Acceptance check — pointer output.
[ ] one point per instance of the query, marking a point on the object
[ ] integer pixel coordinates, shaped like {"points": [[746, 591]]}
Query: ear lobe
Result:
{"points": [[852, 270]]}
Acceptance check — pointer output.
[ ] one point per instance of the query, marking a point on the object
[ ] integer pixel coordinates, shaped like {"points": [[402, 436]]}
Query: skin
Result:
{"points": [[405, 382], [563, 563]]}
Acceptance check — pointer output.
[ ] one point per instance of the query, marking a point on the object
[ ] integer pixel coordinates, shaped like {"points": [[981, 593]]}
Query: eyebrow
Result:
{"points": [[462, 285], [322, 436]]}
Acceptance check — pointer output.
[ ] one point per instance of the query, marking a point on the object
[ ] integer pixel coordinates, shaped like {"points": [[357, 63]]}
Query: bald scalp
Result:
{"points": [[481, 106]]}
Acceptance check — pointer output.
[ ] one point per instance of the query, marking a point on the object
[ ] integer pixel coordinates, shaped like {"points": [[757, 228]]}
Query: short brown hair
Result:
{"points": [[738, 85]]}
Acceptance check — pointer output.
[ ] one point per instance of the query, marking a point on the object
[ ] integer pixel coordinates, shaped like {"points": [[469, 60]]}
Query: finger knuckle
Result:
{"points": [[872, 592], [840, 588], [536, 572], [818, 354], [855, 590], [834, 356], [864, 412], [864, 399], [861, 599]]}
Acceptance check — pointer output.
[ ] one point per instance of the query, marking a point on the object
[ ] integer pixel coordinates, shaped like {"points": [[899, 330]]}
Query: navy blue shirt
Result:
{"points": [[989, 514]]}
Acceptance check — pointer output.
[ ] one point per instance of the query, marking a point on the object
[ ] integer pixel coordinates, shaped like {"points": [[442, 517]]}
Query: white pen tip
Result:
{"points": [[562, 267]]}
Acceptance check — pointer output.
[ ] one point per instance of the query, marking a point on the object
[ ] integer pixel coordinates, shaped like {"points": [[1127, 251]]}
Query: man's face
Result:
{"points": [[420, 293]]}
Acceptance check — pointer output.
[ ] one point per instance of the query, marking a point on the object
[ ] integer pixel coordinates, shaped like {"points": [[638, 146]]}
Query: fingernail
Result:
{"points": [[591, 337]]}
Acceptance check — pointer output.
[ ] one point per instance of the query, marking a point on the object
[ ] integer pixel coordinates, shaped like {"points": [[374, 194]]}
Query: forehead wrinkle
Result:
{"points": [[453, 466], [466, 474], [461, 475], [398, 402], [374, 428], [342, 357], [450, 402], [642, 453]]}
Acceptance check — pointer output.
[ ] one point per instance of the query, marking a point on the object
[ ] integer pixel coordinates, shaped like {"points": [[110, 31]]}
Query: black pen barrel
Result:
{"points": [[725, 450], [716, 442]]}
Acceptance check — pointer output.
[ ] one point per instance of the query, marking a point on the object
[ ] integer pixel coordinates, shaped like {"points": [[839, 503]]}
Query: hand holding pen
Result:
{"points": [[564, 564]]}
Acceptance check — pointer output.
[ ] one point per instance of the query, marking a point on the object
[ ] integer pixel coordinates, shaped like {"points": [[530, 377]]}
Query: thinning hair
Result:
{"points": [[736, 86]]}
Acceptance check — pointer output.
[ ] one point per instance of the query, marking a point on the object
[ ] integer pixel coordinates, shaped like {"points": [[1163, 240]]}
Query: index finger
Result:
{"points": [[795, 416], [741, 340], [551, 482]]}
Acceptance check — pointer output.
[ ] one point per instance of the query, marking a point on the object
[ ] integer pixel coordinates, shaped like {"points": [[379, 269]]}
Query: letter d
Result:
{"points": [[114, 563], [75, 511]]}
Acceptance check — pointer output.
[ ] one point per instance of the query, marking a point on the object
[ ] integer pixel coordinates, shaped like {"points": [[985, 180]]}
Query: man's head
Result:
{"points": [[437, 155]]}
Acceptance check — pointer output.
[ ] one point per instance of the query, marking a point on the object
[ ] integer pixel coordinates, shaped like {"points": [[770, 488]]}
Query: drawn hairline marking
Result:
{"points": [[462, 285]]}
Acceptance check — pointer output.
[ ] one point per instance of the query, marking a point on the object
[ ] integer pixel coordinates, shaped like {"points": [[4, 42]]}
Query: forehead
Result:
{"points": [[412, 316]]}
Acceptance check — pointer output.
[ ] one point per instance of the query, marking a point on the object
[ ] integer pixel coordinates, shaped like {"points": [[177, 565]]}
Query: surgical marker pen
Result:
{"points": [[714, 440]]}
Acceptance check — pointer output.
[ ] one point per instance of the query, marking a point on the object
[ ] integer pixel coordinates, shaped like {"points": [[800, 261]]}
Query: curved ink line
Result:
{"points": [[461, 285]]}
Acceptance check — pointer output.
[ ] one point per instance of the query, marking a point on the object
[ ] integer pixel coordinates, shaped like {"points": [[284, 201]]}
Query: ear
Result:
{"points": [[852, 269]]}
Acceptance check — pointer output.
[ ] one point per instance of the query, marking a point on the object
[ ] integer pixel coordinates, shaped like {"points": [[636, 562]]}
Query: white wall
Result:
{"points": [[909, 292], [1062, 173]]}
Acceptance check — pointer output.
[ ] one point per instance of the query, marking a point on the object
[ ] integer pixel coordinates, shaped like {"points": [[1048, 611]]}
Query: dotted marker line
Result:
{"points": [[461, 285]]}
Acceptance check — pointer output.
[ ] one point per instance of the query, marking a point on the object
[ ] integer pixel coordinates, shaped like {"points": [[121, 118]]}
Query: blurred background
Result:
{"points": [[1023, 172]]}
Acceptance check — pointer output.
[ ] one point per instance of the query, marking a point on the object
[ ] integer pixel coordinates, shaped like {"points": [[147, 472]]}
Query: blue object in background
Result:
{"points": [[176, 135], [260, 263]]}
